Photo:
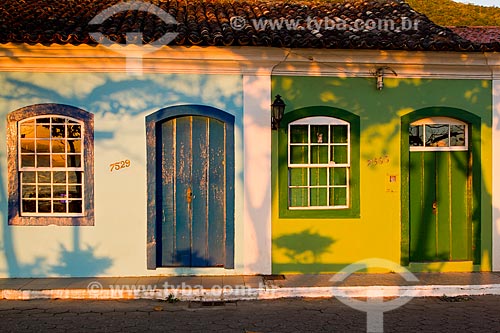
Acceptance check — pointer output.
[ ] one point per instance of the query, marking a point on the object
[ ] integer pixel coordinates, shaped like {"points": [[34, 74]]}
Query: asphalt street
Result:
{"points": [[444, 314]]}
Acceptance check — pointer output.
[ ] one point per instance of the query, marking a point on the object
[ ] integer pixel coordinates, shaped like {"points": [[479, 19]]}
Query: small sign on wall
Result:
{"points": [[391, 183]]}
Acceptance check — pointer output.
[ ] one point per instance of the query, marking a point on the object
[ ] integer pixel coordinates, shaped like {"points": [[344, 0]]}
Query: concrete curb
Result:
{"points": [[234, 294]]}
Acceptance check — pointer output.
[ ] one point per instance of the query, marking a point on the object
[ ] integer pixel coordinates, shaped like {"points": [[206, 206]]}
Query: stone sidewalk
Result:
{"points": [[253, 287]]}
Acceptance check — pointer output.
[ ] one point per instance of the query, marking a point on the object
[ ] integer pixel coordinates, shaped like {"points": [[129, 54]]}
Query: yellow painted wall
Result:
{"points": [[377, 233]]}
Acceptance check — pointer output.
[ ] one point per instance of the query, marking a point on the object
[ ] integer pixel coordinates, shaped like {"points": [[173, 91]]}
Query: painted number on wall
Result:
{"points": [[377, 161], [119, 165]]}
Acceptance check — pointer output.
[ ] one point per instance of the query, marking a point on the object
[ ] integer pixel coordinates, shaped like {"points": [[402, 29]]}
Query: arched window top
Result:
{"points": [[51, 119], [438, 134], [320, 120]]}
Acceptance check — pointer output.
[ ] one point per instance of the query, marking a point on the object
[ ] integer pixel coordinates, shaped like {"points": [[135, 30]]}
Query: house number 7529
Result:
{"points": [[119, 165]]}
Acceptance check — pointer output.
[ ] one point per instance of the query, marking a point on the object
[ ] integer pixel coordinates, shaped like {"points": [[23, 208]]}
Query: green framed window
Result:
{"points": [[319, 164]]}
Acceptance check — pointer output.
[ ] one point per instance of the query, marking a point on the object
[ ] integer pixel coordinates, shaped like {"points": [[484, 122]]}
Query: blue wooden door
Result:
{"points": [[194, 219]]}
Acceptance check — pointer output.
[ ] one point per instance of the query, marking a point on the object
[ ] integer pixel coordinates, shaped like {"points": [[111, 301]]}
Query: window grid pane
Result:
{"points": [[318, 165], [51, 167], [438, 134]]}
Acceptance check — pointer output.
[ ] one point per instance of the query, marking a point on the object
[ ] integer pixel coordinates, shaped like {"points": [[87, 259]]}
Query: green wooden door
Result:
{"points": [[439, 206]]}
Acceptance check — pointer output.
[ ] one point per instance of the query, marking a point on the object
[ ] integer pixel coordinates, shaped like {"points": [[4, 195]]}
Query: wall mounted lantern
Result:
{"points": [[380, 76], [277, 111]]}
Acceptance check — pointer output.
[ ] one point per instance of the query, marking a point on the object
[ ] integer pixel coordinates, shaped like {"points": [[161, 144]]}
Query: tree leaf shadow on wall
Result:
{"points": [[304, 246], [80, 262]]}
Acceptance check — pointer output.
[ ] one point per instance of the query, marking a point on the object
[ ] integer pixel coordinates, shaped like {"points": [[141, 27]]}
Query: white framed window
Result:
{"points": [[319, 164], [51, 168], [438, 134]]}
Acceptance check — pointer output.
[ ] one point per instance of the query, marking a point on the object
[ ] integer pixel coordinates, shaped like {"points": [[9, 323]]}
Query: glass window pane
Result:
{"points": [[60, 192], [27, 130], [75, 191], [43, 120], [58, 146], [338, 176], [319, 134], [318, 176], [74, 146], [52, 142], [416, 136], [29, 191], [457, 135], [74, 131], [59, 177], [338, 196], [59, 206], [298, 176], [58, 161], [75, 206], [319, 196], [298, 133], [27, 161], [298, 197], [298, 154], [57, 120], [43, 131], [437, 135], [27, 177], [44, 177], [58, 131], [43, 161], [74, 177], [28, 146], [29, 206], [339, 154], [43, 146], [74, 161], [339, 134], [319, 154], [44, 206], [44, 191]]}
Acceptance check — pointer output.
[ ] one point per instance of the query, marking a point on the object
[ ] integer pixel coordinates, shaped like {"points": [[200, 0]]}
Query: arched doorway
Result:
{"points": [[190, 187]]}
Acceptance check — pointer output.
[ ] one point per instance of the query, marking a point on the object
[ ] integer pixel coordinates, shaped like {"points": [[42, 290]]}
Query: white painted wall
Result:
{"points": [[257, 184], [116, 244], [496, 175]]}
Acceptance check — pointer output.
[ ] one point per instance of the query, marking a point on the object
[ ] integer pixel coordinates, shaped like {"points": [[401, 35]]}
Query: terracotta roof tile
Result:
{"points": [[234, 23], [481, 35]]}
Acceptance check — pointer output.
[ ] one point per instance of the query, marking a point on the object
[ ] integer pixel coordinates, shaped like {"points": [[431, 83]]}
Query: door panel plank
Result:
{"points": [[416, 205], [461, 242], [217, 193], [443, 197], [167, 199], [428, 248], [183, 184], [422, 196], [199, 255]]}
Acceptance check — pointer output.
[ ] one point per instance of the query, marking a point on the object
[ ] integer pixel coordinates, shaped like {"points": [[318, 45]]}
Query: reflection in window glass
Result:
{"points": [[51, 170], [438, 135], [457, 135], [416, 135]]}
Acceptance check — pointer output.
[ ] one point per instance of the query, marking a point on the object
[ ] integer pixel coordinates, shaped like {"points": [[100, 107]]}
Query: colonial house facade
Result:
{"points": [[137, 139]]}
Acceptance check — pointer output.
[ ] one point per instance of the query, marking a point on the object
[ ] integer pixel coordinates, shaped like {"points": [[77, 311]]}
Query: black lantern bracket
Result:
{"points": [[277, 112]]}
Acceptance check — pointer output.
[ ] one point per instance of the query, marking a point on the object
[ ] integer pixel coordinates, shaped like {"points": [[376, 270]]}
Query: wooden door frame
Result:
{"points": [[474, 128], [152, 128]]}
